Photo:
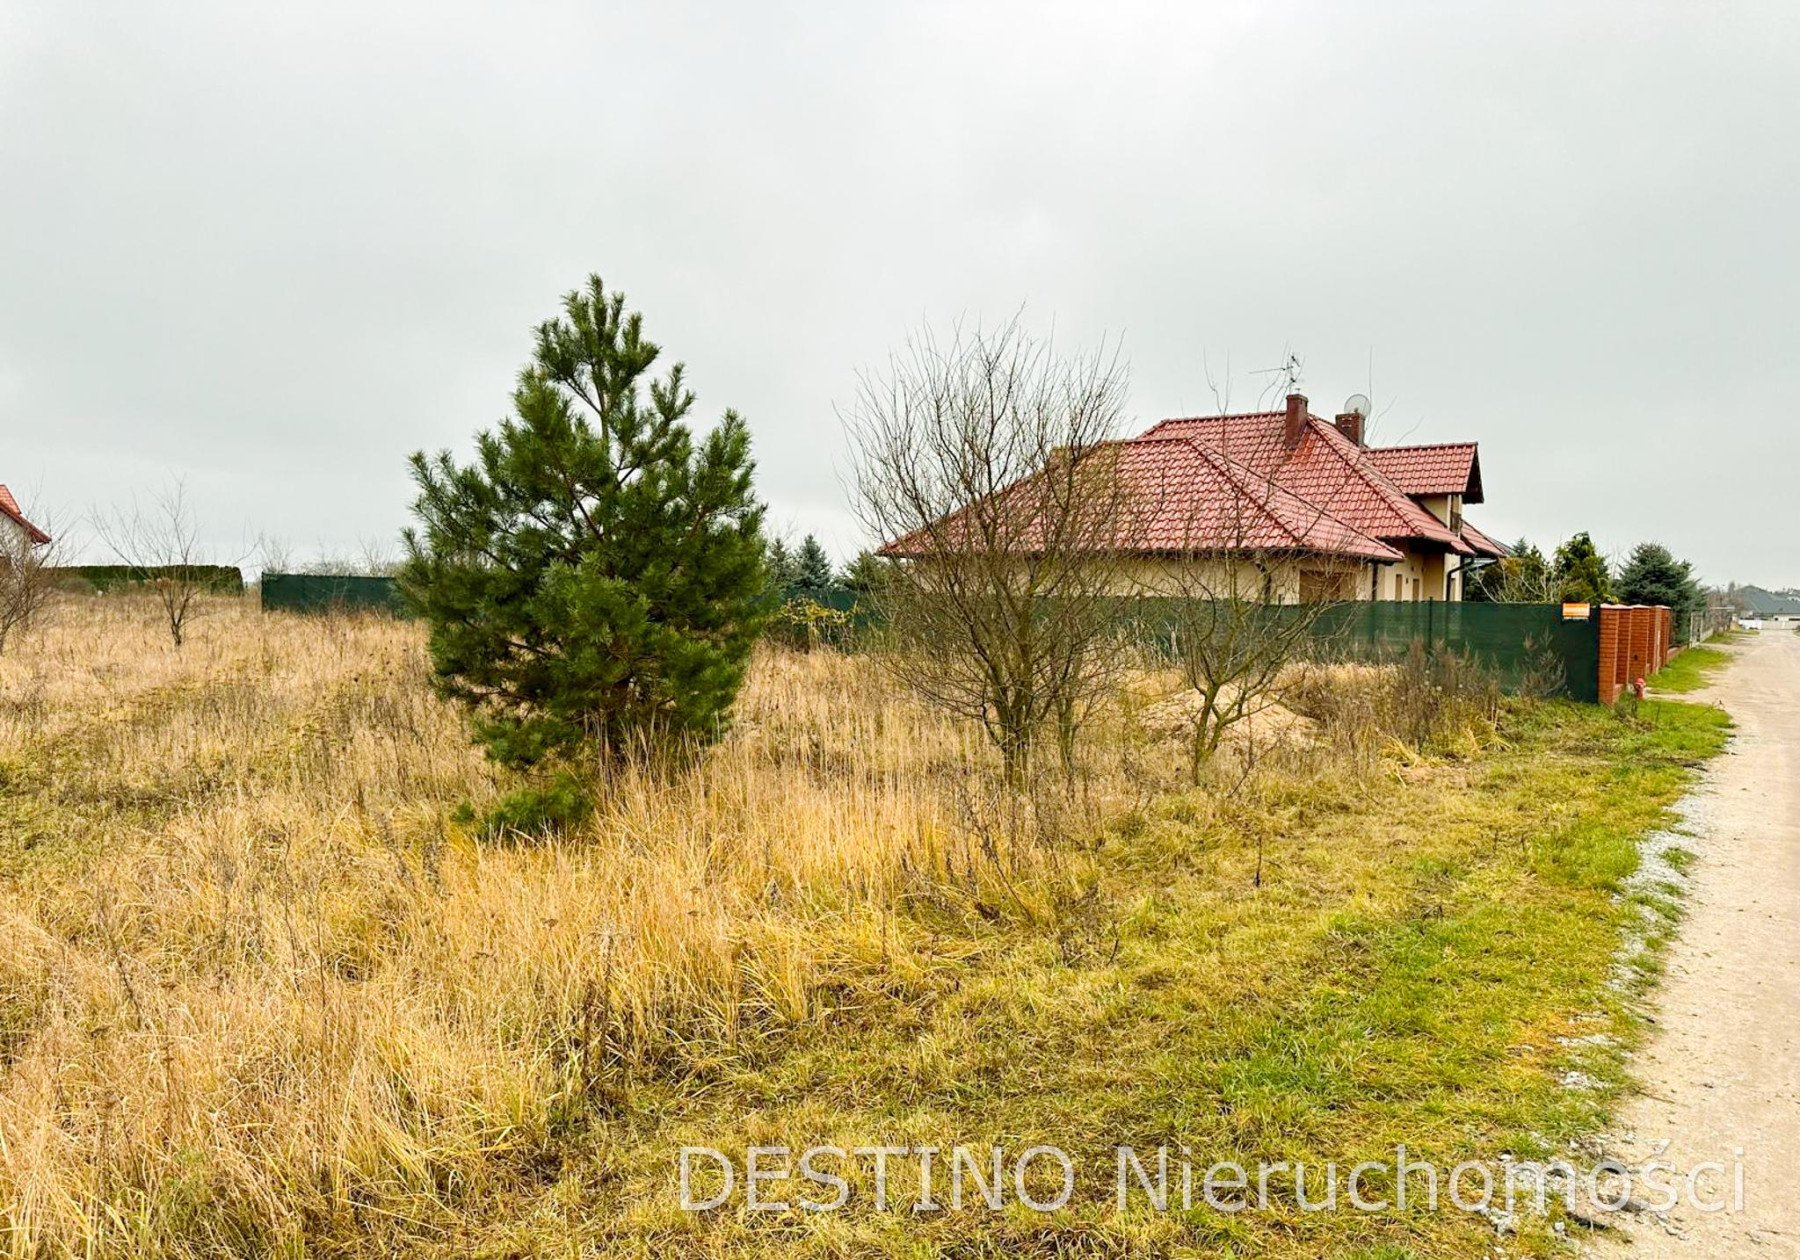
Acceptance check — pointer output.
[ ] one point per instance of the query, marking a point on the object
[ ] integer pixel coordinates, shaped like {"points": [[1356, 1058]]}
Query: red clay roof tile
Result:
{"points": [[9, 507], [1484, 545], [1451, 468], [1230, 483], [1325, 468]]}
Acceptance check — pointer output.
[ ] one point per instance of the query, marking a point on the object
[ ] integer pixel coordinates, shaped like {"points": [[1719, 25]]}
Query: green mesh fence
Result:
{"points": [[327, 593], [1527, 646]]}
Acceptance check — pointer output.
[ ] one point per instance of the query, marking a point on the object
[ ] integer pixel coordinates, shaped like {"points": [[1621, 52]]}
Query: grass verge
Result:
{"points": [[1690, 669], [1427, 961]]}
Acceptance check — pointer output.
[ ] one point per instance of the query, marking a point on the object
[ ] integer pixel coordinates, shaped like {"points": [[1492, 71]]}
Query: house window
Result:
{"points": [[1399, 586], [1321, 585]]}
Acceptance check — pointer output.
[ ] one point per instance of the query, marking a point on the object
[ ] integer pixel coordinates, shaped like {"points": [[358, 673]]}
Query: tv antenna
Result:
{"points": [[1288, 373]]}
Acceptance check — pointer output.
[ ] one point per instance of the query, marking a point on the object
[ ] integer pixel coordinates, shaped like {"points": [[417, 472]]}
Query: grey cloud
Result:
{"points": [[277, 250]]}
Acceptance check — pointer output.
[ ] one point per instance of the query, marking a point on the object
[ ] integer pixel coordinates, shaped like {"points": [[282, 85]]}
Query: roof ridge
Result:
{"points": [[1229, 468], [1356, 458], [1223, 415], [1420, 446], [1356, 464], [1239, 472]]}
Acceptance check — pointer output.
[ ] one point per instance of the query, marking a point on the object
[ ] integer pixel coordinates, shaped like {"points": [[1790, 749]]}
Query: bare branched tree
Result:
{"points": [[1244, 591], [27, 577], [1524, 577], [275, 553], [377, 557], [162, 543], [984, 463], [1232, 640]]}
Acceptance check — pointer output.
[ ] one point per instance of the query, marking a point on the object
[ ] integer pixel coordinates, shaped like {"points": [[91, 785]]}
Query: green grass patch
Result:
{"points": [[1679, 858], [1690, 669]]}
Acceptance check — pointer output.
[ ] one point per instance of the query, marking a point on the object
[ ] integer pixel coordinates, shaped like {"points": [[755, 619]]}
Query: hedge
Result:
{"points": [[215, 579]]}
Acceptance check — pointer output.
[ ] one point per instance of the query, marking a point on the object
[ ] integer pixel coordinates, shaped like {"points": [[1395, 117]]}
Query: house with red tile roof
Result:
{"points": [[14, 525], [1294, 502]]}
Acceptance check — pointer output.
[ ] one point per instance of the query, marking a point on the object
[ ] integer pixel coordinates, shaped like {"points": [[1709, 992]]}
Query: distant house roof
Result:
{"points": [[1324, 467], [9, 508], [1452, 468], [1483, 544], [1235, 483], [1193, 494]]}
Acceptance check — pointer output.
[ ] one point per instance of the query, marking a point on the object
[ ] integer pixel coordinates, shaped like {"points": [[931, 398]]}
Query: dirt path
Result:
{"points": [[1722, 1072]]}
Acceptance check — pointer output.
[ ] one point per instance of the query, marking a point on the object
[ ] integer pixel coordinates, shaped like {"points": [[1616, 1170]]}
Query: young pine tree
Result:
{"points": [[593, 578]]}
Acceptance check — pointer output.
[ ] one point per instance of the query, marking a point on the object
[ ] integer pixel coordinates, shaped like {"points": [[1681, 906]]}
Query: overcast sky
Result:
{"points": [[274, 249]]}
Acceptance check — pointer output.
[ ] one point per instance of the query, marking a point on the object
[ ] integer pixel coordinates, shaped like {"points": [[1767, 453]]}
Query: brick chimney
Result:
{"points": [[1350, 424], [1296, 420]]}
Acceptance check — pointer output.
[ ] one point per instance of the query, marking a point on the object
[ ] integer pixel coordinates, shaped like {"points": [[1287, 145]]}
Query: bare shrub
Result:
{"points": [[275, 554], [1441, 697], [27, 579], [161, 541], [1433, 700], [1232, 647], [984, 462], [1545, 673], [1256, 570]]}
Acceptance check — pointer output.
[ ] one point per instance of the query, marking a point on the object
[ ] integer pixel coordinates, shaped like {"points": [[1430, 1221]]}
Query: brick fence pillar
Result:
{"points": [[1640, 644], [1612, 643], [1622, 656]]}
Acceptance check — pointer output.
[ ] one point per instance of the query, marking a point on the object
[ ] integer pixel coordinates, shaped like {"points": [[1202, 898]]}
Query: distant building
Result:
{"points": [[1353, 522], [17, 533]]}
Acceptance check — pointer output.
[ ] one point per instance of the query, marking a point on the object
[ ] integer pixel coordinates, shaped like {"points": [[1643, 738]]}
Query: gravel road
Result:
{"points": [[1721, 1074]]}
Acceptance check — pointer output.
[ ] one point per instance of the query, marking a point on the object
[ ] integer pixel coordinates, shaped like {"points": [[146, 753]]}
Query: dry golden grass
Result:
{"points": [[250, 973], [260, 995]]}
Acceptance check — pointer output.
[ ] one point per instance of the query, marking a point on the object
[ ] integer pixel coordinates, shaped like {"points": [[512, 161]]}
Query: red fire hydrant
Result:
{"points": [[1638, 687]]}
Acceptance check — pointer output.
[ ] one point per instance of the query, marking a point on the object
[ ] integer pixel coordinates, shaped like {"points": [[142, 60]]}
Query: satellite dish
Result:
{"points": [[1357, 404]]}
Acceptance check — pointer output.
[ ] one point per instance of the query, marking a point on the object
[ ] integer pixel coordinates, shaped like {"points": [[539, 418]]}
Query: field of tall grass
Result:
{"points": [[251, 972], [260, 993]]}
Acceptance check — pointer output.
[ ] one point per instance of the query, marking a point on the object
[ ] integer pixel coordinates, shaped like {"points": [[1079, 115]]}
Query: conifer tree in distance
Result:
{"points": [[1654, 576], [812, 569], [783, 568], [1583, 572], [593, 578]]}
